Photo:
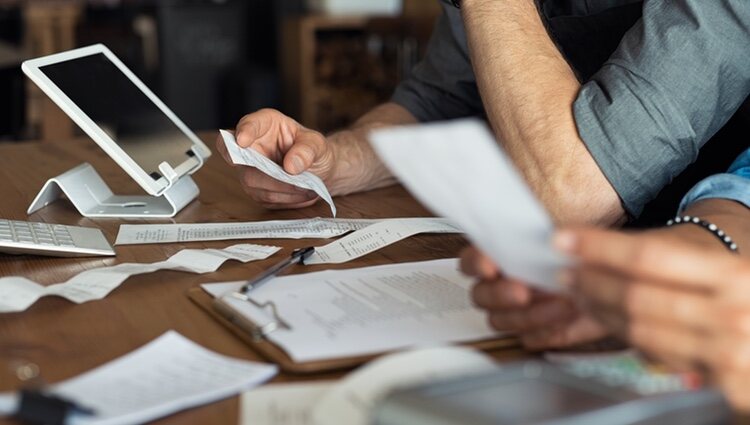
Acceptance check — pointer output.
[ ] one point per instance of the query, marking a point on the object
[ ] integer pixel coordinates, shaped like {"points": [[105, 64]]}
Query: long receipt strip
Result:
{"points": [[18, 293], [463, 175], [351, 400], [253, 158], [169, 374], [369, 235], [137, 234], [376, 236], [344, 313]]}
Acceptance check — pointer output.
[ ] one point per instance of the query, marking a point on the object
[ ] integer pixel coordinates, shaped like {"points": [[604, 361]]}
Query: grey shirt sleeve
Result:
{"points": [[442, 86], [677, 77]]}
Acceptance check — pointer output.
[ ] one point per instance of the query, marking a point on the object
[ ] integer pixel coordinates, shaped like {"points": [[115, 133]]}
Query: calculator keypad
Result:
{"points": [[631, 372]]}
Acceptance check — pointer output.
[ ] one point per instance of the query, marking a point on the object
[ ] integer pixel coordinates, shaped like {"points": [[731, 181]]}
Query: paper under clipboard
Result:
{"points": [[338, 319]]}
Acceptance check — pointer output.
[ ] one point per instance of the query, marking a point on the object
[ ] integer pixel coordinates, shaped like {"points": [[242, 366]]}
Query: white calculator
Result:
{"points": [[24, 237]]}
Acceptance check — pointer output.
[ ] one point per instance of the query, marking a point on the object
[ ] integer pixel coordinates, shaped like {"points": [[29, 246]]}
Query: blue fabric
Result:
{"points": [[733, 185]]}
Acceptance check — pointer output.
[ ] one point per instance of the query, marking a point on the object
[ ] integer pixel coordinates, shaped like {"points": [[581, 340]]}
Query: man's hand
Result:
{"points": [[543, 321], [288, 143], [682, 303], [344, 160]]}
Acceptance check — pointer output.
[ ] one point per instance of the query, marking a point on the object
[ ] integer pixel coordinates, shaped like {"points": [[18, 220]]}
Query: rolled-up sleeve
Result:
{"points": [[733, 185], [677, 77], [442, 85]]}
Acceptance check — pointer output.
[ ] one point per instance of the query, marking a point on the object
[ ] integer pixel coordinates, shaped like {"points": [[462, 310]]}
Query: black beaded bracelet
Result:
{"points": [[456, 3], [714, 229]]}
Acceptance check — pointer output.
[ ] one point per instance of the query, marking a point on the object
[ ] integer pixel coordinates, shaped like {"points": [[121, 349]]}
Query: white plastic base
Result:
{"points": [[93, 198]]}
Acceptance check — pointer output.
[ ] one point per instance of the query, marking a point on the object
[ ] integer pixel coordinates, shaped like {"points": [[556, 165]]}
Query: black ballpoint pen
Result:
{"points": [[298, 257], [258, 332]]}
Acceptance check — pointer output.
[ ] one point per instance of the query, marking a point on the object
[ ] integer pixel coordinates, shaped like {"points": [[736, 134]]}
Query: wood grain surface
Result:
{"points": [[66, 339]]}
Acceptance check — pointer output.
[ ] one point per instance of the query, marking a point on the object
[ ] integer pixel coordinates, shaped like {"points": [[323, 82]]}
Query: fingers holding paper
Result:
{"points": [[281, 163], [548, 322], [679, 303], [631, 279], [269, 132], [299, 151], [274, 194], [264, 189], [542, 321], [286, 142]]}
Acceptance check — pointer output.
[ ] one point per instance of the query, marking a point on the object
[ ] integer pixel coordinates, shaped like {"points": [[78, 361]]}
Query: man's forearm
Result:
{"points": [[357, 167], [528, 90]]}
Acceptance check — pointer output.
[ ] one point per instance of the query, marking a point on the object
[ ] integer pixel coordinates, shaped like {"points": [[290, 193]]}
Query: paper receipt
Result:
{"points": [[18, 293], [253, 158]]}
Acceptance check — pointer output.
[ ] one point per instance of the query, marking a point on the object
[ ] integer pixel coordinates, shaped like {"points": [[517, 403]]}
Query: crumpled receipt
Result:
{"points": [[253, 158], [18, 293]]}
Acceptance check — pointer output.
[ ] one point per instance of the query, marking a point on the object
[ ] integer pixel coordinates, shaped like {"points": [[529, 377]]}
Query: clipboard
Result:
{"points": [[256, 338]]}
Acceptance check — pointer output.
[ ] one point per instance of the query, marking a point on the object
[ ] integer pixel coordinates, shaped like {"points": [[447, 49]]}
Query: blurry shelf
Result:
{"points": [[50, 28], [335, 68]]}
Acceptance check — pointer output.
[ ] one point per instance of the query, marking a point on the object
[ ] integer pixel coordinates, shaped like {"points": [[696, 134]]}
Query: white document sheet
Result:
{"points": [[169, 374], [343, 313], [252, 158], [282, 404], [351, 400], [377, 236], [18, 293], [459, 172], [137, 234]]}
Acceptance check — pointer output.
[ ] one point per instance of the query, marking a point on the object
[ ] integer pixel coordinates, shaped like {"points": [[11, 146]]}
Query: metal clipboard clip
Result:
{"points": [[259, 332]]}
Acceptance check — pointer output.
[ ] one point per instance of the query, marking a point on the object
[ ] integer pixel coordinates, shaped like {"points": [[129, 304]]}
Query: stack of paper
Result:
{"points": [[345, 313], [165, 376]]}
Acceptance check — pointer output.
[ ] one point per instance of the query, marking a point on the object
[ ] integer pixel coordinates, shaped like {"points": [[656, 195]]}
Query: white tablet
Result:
{"points": [[120, 113]]}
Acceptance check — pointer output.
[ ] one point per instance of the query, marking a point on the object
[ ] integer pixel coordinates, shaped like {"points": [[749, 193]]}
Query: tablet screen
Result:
{"points": [[110, 99]]}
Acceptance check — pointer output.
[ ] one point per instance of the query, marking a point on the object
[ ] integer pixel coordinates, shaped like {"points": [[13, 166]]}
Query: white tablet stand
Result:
{"points": [[93, 198]]}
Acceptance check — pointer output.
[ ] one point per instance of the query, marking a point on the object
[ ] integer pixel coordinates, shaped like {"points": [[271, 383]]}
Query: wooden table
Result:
{"points": [[66, 339]]}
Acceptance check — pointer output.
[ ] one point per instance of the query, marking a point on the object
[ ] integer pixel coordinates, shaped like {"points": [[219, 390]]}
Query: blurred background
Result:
{"points": [[324, 62]]}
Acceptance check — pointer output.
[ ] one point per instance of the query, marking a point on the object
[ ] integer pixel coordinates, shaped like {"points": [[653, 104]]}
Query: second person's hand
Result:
{"points": [[542, 321], [680, 303], [288, 143]]}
